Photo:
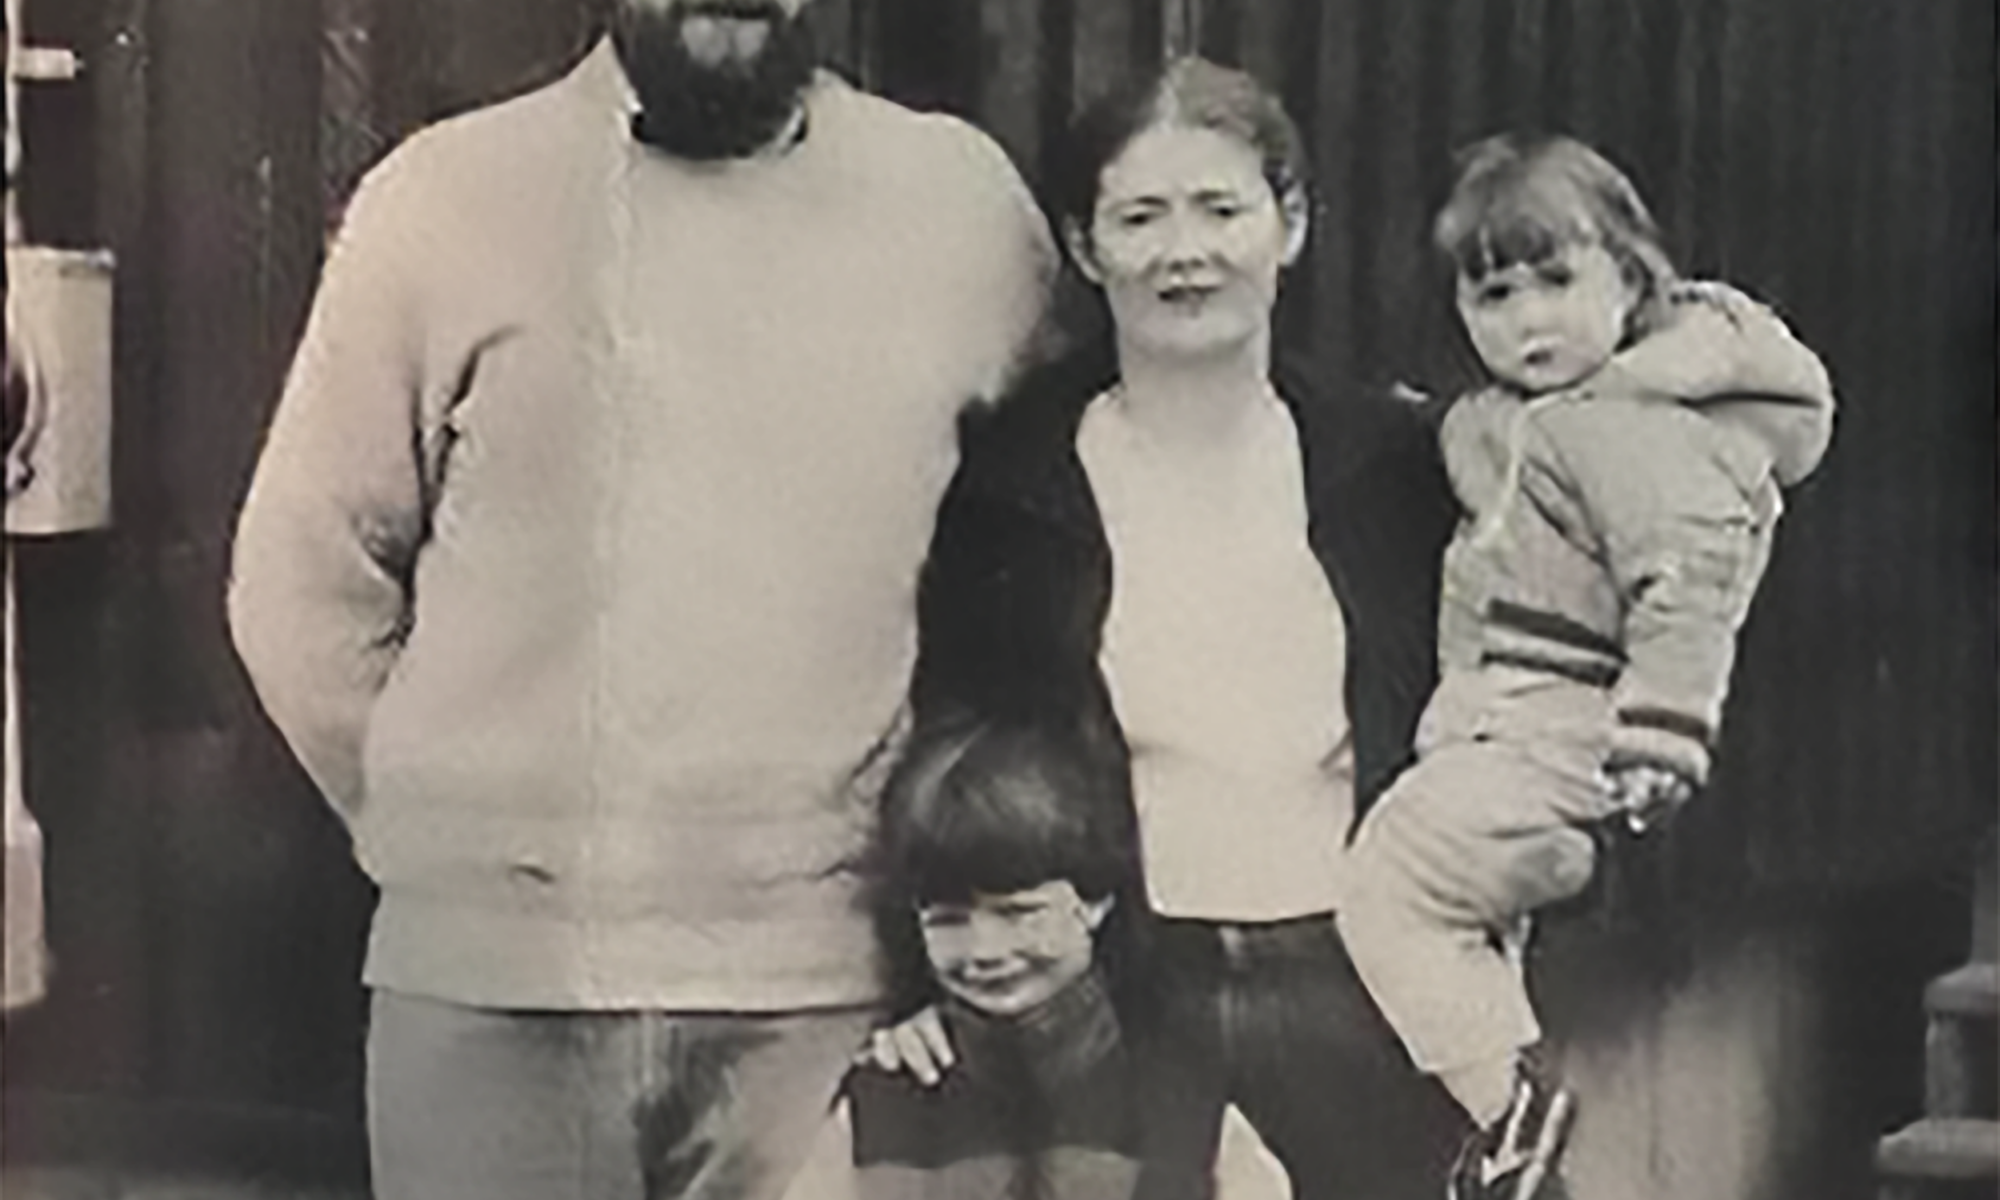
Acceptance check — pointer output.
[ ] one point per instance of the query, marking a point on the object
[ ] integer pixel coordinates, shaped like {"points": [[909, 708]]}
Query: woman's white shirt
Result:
{"points": [[1224, 652]]}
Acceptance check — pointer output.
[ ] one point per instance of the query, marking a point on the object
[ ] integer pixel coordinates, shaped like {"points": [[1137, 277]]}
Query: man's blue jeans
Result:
{"points": [[1293, 1040], [479, 1104]]}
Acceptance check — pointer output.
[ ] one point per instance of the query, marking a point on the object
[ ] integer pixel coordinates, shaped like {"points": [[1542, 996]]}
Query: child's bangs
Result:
{"points": [[1520, 222], [985, 844]]}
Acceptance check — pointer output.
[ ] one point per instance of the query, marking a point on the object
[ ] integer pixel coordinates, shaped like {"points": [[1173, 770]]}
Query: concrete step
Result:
{"points": [[1962, 1043], [1971, 991], [1986, 901], [1941, 1148]]}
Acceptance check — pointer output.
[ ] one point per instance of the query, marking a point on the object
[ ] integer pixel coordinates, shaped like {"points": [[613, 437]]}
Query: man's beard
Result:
{"points": [[728, 109]]}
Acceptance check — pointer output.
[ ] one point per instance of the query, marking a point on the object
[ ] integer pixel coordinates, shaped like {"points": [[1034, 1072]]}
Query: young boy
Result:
{"points": [[1619, 516], [1012, 857]]}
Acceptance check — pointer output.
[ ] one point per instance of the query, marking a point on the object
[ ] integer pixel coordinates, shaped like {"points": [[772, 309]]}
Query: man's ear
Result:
{"points": [[1095, 911], [1296, 208], [1082, 250]]}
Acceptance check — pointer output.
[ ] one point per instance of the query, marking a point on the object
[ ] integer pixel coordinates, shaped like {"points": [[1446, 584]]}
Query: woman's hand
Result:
{"points": [[918, 1045], [1648, 795]]}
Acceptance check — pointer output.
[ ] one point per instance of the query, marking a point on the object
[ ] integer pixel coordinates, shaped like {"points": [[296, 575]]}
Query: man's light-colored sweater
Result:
{"points": [[579, 568]]}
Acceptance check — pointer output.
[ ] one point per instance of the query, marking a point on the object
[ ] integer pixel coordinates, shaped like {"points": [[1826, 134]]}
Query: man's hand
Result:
{"points": [[1647, 795], [918, 1046]]}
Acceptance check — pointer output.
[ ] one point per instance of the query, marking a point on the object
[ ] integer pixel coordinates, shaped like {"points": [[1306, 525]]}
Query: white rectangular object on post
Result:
{"points": [[59, 312]]}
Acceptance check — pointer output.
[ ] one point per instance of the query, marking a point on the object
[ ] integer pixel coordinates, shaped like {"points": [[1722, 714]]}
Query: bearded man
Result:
{"points": [[579, 572]]}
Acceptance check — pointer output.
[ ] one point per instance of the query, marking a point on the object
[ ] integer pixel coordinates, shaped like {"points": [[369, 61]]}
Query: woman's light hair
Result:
{"points": [[1191, 93]]}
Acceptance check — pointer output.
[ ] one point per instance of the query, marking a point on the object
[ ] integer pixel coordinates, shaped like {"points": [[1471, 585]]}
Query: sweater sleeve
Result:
{"points": [[319, 592], [1686, 544], [1018, 260]]}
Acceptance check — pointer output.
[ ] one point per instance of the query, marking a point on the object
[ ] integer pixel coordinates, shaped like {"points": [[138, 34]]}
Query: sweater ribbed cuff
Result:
{"points": [[1659, 738]]}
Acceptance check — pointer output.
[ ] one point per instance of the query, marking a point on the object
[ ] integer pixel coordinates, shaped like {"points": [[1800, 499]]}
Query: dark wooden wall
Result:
{"points": [[1834, 156]]}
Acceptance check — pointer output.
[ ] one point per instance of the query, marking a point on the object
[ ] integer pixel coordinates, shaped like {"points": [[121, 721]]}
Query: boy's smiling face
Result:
{"points": [[1011, 953], [1548, 325]]}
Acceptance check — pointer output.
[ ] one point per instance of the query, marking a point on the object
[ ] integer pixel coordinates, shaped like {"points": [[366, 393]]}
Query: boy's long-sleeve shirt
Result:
{"points": [[1064, 1103]]}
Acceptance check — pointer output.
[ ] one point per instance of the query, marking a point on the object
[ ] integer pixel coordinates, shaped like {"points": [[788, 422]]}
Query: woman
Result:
{"points": [[1226, 572]]}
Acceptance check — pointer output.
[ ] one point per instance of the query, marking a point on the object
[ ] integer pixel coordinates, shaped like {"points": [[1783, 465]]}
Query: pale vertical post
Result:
{"points": [[1180, 26]]}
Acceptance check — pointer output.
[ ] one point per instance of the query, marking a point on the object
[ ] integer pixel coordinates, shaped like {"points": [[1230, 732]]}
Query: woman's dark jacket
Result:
{"points": [[1014, 595]]}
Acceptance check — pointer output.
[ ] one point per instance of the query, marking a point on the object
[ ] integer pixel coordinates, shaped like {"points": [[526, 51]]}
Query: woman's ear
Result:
{"points": [[1296, 208], [1095, 911], [1081, 250]]}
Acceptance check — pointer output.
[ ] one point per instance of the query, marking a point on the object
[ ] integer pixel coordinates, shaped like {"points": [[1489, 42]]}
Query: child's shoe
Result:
{"points": [[1519, 1156]]}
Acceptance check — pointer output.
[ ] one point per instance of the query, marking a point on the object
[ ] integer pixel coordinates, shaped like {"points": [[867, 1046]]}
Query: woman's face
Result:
{"points": [[1187, 241]]}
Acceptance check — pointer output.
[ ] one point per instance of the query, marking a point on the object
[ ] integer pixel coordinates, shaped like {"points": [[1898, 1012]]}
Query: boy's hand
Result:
{"points": [[1647, 795], [918, 1046]]}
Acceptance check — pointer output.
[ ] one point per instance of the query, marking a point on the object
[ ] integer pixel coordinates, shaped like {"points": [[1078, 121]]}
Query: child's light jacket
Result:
{"points": [[1615, 533]]}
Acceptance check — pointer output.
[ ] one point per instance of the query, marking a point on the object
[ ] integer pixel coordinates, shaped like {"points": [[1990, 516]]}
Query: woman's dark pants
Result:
{"points": [[1287, 1033]]}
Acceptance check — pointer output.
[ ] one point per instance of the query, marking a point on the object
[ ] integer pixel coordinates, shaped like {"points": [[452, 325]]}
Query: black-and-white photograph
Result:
{"points": [[1001, 600]]}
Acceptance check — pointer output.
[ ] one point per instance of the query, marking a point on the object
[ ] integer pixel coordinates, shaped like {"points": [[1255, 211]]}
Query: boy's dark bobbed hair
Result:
{"points": [[977, 807]]}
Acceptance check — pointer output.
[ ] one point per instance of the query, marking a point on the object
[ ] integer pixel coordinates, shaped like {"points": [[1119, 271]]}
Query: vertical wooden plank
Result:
{"points": [[1755, 88], [353, 134], [1750, 90], [1297, 34], [1013, 70], [1618, 128], [1337, 124], [1558, 63], [1284, 37], [480, 51], [1960, 318], [1470, 114], [865, 40], [1655, 156], [1703, 157], [1264, 29], [1525, 49], [1390, 179], [54, 194], [113, 845], [1915, 136], [1056, 95], [1105, 48], [122, 81], [833, 30], [90, 1034], [931, 54], [1589, 92], [1218, 30], [1181, 22], [241, 189]]}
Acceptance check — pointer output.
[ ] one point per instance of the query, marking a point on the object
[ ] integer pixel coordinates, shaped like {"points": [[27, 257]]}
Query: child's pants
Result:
{"points": [[1482, 830]]}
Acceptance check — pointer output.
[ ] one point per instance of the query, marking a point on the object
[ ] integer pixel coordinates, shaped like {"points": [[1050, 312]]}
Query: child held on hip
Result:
{"points": [[1620, 477]]}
